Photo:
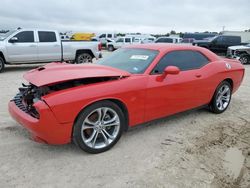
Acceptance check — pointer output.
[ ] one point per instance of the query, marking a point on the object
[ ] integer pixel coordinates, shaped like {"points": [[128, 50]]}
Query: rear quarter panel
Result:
{"points": [[218, 71]]}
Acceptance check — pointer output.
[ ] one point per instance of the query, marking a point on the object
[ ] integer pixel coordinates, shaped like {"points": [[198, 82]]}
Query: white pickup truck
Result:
{"points": [[23, 46]]}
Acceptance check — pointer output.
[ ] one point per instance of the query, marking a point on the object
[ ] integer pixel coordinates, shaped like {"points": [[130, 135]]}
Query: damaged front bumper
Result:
{"points": [[44, 129]]}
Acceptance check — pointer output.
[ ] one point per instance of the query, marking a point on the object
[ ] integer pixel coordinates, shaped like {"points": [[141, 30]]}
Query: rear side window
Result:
{"points": [[109, 35], [165, 40], [184, 60], [234, 39], [46, 36], [25, 36], [127, 40]]}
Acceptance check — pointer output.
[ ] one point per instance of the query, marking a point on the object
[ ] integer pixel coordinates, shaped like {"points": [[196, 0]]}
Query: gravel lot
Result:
{"points": [[192, 149]]}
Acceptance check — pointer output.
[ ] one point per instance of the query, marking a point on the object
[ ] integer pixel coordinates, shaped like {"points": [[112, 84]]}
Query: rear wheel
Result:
{"points": [[245, 59], [84, 58], [99, 127], [221, 98], [111, 48], [1, 64]]}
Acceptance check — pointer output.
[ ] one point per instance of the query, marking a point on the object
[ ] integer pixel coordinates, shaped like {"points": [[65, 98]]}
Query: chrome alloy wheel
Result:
{"points": [[100, 128], [223, 97], [84, 58], [244, 60]]}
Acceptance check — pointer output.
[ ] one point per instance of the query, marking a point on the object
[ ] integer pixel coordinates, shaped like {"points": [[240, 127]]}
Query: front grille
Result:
{"points": [[18, 100]]}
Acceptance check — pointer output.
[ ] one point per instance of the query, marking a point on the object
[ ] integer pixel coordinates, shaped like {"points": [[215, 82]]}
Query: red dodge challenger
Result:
{"points": [[92, 104]]}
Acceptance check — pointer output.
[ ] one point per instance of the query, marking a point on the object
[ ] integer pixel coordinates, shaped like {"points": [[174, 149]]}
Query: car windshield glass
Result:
{"points": [[5, 35], [248, 45], [131, 60]]}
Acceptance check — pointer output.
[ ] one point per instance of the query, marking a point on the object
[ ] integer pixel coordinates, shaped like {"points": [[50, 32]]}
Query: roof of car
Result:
{"points": [[163, 47]]}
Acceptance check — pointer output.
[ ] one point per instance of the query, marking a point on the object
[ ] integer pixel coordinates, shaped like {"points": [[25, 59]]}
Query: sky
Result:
{"points": [[145, 16]]}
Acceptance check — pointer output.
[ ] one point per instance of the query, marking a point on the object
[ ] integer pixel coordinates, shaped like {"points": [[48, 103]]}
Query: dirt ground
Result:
{"points": [[192, 149]]}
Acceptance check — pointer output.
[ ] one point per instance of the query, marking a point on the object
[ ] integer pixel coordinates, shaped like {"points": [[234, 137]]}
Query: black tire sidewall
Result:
{"points": [[2, 63], [110, 48], [77, 138], [213, 106], [248, 59]]}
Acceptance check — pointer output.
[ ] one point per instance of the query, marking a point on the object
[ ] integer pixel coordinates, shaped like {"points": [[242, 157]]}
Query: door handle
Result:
{"points": [[32, 45], [198, 75]]}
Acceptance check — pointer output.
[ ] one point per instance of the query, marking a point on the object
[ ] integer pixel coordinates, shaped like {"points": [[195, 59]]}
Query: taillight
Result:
{"points": [[99, 46]]}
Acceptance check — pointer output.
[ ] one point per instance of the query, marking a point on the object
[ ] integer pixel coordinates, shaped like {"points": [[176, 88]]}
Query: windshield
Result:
{"points": [[248, 45], [131, 60], [5, 35]]}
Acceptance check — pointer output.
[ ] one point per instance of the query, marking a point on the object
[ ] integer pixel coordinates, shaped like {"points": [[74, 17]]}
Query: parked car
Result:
{"points": [[40, 46], [121, 41], [188, 41], [92, 104], [219, 43], [168, 40], [105, 37], [240, 52]]}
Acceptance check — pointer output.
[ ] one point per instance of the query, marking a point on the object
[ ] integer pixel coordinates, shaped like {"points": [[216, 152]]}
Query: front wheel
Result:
{"points": [[111, 48], [84, 58], [1, 64], [99, 127], [221, 98]]}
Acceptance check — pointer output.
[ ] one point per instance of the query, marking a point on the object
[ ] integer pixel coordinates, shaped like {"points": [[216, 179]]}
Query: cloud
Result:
{"points": [[147, 16]]}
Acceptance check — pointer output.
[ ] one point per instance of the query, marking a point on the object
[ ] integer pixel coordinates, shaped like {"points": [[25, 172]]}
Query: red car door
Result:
{"points": [[179, 92]]}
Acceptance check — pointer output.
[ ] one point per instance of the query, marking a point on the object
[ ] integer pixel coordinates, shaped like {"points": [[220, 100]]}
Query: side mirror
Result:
{"points": [[13, 40], [171, 70]]}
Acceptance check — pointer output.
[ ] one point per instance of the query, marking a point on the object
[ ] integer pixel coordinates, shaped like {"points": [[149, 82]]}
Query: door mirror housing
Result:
{"points": [[171, 70], [13, 40]]}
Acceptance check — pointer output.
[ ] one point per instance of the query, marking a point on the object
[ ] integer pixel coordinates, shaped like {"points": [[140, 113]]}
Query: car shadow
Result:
{"points": [[139, 129], [20, 68]]}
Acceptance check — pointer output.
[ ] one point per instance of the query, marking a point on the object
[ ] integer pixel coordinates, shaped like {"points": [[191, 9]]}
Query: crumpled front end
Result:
{"points": [[28, 109]]}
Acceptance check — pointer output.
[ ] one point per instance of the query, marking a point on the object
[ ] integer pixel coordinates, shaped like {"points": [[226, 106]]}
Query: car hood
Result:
{"points": [[241, 47], [59, 72]]}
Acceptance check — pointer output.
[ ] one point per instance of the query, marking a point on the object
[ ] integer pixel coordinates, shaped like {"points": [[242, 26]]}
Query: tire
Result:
{"points": [[84, 58], [111, 48], [244, 59], [221, 98], [1, 64], [90, 129]]}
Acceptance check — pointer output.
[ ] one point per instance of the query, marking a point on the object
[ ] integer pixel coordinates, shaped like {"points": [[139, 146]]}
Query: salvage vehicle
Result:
{"points": [[24, 46], [240, 52], [219, 44], [92, 104]]}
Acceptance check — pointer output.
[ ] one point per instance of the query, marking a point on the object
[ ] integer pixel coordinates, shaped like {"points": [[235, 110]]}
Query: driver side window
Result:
{"points": [[183, 59], [25, 36]]}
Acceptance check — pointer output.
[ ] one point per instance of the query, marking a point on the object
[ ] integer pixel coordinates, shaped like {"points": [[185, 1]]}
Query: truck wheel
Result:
{"points": [[1, 64], [111, 48], [84, 58], [244, 59]]}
